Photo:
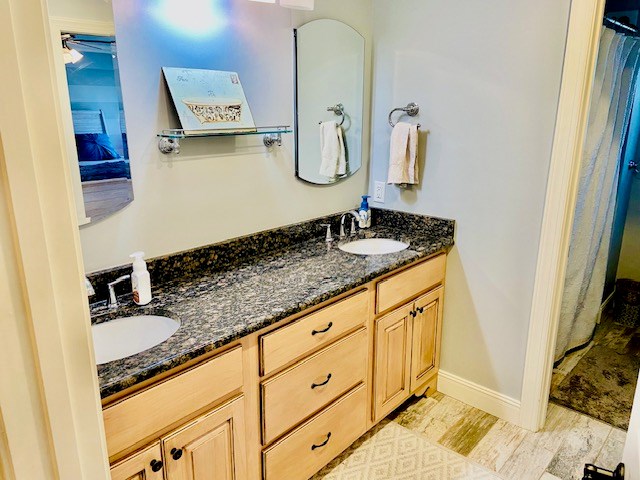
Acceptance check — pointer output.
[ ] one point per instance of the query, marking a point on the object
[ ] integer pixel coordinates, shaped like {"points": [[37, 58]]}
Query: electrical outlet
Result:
{"points": [[378, 192]]}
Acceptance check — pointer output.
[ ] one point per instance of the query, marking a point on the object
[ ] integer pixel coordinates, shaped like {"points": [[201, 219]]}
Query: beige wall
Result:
{"points": [[95, 10], [629, 263], [487, 78], [221, 188]]}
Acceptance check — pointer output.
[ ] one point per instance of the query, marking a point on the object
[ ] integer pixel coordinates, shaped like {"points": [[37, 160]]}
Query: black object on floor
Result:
{"points": [[591, 472]]}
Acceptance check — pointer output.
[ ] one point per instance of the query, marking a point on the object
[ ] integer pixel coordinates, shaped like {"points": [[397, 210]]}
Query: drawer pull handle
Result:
{"points": [[156, 465], [315, 332], [313, 447], [176, 453], [314, 385], [420, 309]]}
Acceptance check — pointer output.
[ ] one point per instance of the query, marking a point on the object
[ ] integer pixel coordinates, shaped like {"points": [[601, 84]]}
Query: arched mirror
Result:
{"points": [[329, 101]]}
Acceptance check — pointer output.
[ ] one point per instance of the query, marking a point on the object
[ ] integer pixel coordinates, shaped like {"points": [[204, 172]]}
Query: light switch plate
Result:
{"points": [[378, 192]]}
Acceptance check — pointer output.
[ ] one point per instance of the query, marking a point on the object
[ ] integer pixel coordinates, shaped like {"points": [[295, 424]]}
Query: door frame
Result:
{"points": [[49, 389], [583, 35]]}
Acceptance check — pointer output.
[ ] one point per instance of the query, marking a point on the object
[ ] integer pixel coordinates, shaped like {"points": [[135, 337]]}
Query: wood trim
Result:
{"points": [[224, 421], [585, 22], [296, 340], [138, 465], [407, 284], [435, 298], [288, 399], [42, 211], [392, 361], [129, 421]]}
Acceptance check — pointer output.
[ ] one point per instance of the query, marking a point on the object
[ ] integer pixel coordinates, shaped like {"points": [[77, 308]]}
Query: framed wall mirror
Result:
{"points": [[329, 101], [94, 120]]}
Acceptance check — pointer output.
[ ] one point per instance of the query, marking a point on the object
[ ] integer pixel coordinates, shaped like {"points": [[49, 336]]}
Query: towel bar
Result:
{"points": [[411, 109], [338, 109]]}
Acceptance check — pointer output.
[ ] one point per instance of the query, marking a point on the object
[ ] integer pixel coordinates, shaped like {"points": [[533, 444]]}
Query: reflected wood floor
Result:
{"points": [[104, 197], [559, 451]]}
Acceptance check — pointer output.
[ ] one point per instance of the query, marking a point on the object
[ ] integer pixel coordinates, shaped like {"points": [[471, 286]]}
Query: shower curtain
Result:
{"points": [[612, 98]]}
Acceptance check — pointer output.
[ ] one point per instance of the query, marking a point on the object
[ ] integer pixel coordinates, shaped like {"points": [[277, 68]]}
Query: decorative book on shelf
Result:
{"points": [[209, 101]]}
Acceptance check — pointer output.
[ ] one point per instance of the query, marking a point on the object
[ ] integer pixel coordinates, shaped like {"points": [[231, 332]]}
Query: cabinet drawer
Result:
{"points": [[307, 449], [399, 288], [146, 413], [313, 383], [312, 331]]}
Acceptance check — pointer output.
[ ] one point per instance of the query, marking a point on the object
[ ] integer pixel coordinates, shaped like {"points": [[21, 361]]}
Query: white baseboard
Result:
{"points": [[480, 397]]}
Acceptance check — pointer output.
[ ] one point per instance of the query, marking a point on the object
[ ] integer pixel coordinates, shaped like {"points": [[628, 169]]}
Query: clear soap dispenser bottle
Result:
{"points": [[364, 213], [140, 279]]}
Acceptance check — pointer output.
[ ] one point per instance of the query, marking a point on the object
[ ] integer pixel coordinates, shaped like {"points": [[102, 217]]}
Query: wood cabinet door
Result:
{"points": [[392, 361], [143, 465], [212, 447], [427, 327]]}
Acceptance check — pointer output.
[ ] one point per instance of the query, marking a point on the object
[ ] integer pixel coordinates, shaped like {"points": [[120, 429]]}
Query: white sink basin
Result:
{"points": [[127, 336], [374, 246]]}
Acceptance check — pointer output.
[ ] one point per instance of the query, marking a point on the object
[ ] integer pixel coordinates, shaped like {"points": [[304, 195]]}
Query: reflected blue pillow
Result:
{"points": [[95, 146]]}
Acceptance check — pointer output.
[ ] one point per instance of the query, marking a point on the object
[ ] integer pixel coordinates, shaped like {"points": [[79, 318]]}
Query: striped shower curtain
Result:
{"points": [[610, 109]]}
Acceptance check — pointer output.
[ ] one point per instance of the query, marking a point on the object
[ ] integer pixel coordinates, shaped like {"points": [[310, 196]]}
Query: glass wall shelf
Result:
{"points": [[169, 140]]}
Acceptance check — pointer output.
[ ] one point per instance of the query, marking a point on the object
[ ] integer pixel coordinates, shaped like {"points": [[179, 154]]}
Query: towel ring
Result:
{"points": [[411, 109], [338, 110]]}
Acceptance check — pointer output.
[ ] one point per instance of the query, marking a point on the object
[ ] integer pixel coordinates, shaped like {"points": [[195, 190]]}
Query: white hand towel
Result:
{"points": [[342, 158], [333, 153], [403, 158]]}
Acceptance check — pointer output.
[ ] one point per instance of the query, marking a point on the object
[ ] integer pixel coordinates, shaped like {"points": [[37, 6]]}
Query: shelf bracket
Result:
{"points": [[169, 145], [271, 139]]}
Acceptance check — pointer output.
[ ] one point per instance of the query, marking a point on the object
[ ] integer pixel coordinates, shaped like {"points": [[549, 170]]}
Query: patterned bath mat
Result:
{"points": [[392, 452], [601, 385]]}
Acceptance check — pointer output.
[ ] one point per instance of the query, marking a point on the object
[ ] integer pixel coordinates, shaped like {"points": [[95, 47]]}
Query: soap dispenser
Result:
{"points": [[140, 279], [364, 213]]}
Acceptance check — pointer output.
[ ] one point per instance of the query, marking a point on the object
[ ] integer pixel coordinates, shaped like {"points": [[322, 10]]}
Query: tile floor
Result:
{"points": [[559, 451]]}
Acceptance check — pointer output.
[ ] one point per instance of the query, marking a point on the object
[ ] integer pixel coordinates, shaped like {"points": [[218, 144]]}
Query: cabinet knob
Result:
{"points": [[176, 453], [156, 465], [412, 313], [420, 309]]}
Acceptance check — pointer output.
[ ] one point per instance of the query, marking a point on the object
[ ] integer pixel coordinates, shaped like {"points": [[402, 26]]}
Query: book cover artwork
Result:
{"points": [[209, 100]]}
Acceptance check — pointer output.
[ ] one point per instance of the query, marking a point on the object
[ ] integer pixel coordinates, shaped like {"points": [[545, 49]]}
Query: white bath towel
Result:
{"points": [[334, 157], [403, 157]]}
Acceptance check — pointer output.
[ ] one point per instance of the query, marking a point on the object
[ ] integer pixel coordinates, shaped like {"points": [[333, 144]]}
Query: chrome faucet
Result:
{"points": [[355, 216], [113, 301], [328, 237]]}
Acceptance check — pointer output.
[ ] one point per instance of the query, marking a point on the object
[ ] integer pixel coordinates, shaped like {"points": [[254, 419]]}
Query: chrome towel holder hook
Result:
{"points": [[338, 109], [411, 109]]}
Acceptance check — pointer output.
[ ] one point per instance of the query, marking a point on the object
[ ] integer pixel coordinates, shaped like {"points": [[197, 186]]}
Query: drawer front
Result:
{"points": [[312, 384], [146, 413], [314, 444], [397, 289], [312, 331]]}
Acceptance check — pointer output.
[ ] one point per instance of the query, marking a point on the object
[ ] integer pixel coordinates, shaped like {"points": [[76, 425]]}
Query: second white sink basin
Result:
{"points": [[127, 336], [374, 246]]}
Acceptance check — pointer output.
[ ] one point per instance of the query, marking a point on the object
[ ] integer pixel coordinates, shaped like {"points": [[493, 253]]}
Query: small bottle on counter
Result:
{"points": [[140, 279], [365, 213]]}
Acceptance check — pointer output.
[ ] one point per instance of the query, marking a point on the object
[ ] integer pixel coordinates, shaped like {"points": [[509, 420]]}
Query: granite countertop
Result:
{"points": [[216, 306]]}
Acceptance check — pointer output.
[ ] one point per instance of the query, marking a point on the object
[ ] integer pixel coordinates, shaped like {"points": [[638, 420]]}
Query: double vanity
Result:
{"points": [[288, 349]]}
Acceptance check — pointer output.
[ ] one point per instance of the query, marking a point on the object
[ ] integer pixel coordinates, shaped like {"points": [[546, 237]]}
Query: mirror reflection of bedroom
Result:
{"points": [[95, 97]]}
